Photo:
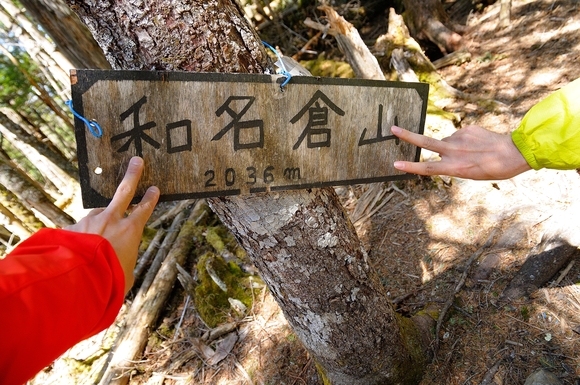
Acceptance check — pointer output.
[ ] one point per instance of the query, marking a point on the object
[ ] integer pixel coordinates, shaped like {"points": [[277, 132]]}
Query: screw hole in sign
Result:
{"points": [[98, 170]]}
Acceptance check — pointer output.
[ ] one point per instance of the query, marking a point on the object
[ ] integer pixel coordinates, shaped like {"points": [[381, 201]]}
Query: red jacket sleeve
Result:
{"points": [[57, 288]]}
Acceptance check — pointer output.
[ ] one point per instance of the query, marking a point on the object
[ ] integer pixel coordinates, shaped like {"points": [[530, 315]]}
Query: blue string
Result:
{"points": [[93, 126], [284, 71]]}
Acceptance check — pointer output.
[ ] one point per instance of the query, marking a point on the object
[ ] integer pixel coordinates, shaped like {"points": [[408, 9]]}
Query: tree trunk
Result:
{"points": [[42, 94], [37, 45], [46, 131], [302, 241], [30, 196], [427, 19], [30, 147], [72, 37], [308, 253], [19, 220], [55, 182], [11, 119]]}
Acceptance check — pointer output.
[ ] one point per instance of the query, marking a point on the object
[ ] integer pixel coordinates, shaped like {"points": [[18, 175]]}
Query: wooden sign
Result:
{"points": [[211, 134]]}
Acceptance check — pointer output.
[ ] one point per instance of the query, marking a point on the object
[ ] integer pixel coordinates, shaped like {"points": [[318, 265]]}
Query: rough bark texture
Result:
{"points": [[41, 146], [71, 37], [31, 196], [309, 255], [302, 242], [199, 36]]}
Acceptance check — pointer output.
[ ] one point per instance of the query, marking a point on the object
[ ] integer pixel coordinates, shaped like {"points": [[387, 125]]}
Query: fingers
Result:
{"points": [[422, 168], [127, 187], [143, 210], [419, 140], [96, 211]]}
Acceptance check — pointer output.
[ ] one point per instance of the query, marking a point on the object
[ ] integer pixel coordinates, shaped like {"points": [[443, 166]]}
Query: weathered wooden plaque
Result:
{"points": [[210, 134]]}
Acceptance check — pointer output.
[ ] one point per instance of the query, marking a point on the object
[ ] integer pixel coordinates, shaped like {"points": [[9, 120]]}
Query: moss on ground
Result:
{"points": [[211, 300], [328, 68], [146, 238]]}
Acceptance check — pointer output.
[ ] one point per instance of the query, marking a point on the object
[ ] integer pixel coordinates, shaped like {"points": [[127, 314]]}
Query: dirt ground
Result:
{"points": [[421, 237]]}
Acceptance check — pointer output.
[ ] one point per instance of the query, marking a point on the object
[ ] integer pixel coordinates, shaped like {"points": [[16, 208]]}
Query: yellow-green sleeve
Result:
{"points": [[549, 134]]}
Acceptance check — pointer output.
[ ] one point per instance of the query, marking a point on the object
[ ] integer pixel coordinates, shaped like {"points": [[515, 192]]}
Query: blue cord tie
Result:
{"points": [[284, 71], [93, 126]]}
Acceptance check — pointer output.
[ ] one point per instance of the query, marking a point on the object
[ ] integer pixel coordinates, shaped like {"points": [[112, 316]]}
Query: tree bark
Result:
{"points": [[30, 147], [30, 196], [36, 43], [308, 253], [9, 119], [72, 37], [302, 241], [42, 94]]}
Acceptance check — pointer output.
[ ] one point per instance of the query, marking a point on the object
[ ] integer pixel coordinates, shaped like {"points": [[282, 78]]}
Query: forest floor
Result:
{"points": [[421, 239]]}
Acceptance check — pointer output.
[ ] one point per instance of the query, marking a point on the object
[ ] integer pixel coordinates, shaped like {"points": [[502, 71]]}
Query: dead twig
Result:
{"points": [[458, 288], [169, 215], [146, 308], [148, 254], [488, 378], [563, 274]]}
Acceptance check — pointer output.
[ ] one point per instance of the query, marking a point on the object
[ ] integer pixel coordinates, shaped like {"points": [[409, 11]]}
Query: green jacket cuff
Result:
{"points": [[526, 151]]}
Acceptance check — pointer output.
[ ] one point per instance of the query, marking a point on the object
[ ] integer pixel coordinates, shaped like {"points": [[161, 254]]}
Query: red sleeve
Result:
{"points": [[57, 288]]}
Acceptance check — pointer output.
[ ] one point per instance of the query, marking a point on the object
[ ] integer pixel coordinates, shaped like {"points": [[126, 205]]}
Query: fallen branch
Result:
{"points": [[358, 55], [169, 215], [146, 308], [539, 268], [145, 259], [488, 378], [454, 58], [172, 234], [458, 288]]}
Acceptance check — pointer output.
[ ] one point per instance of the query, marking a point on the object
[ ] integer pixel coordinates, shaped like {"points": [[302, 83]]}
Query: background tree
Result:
{"points": [[71, 37], [36, 138], [54, 64], [30, 195]]}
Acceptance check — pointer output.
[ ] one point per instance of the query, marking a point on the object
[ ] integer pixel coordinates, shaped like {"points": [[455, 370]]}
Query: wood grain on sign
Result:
{"points": [[210, 134]]}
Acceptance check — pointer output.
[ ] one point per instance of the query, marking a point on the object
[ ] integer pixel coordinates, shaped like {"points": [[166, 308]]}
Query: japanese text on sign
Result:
{"points": [[222, 134]]}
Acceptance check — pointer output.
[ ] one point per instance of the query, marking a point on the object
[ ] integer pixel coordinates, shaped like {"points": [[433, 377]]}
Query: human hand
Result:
{"points": [[471, 152], [123, 232]]}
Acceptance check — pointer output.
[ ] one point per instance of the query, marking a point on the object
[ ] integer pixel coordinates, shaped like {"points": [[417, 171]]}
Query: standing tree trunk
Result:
{"points": [[71, 36], [30, 196], [13, 123], [36, 43], [42, 93], [37, 153], [302, 241]]}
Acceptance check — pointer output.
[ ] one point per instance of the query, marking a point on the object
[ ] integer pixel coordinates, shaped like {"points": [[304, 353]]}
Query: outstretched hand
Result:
{"points": [[123, 232], [471, 152]]}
